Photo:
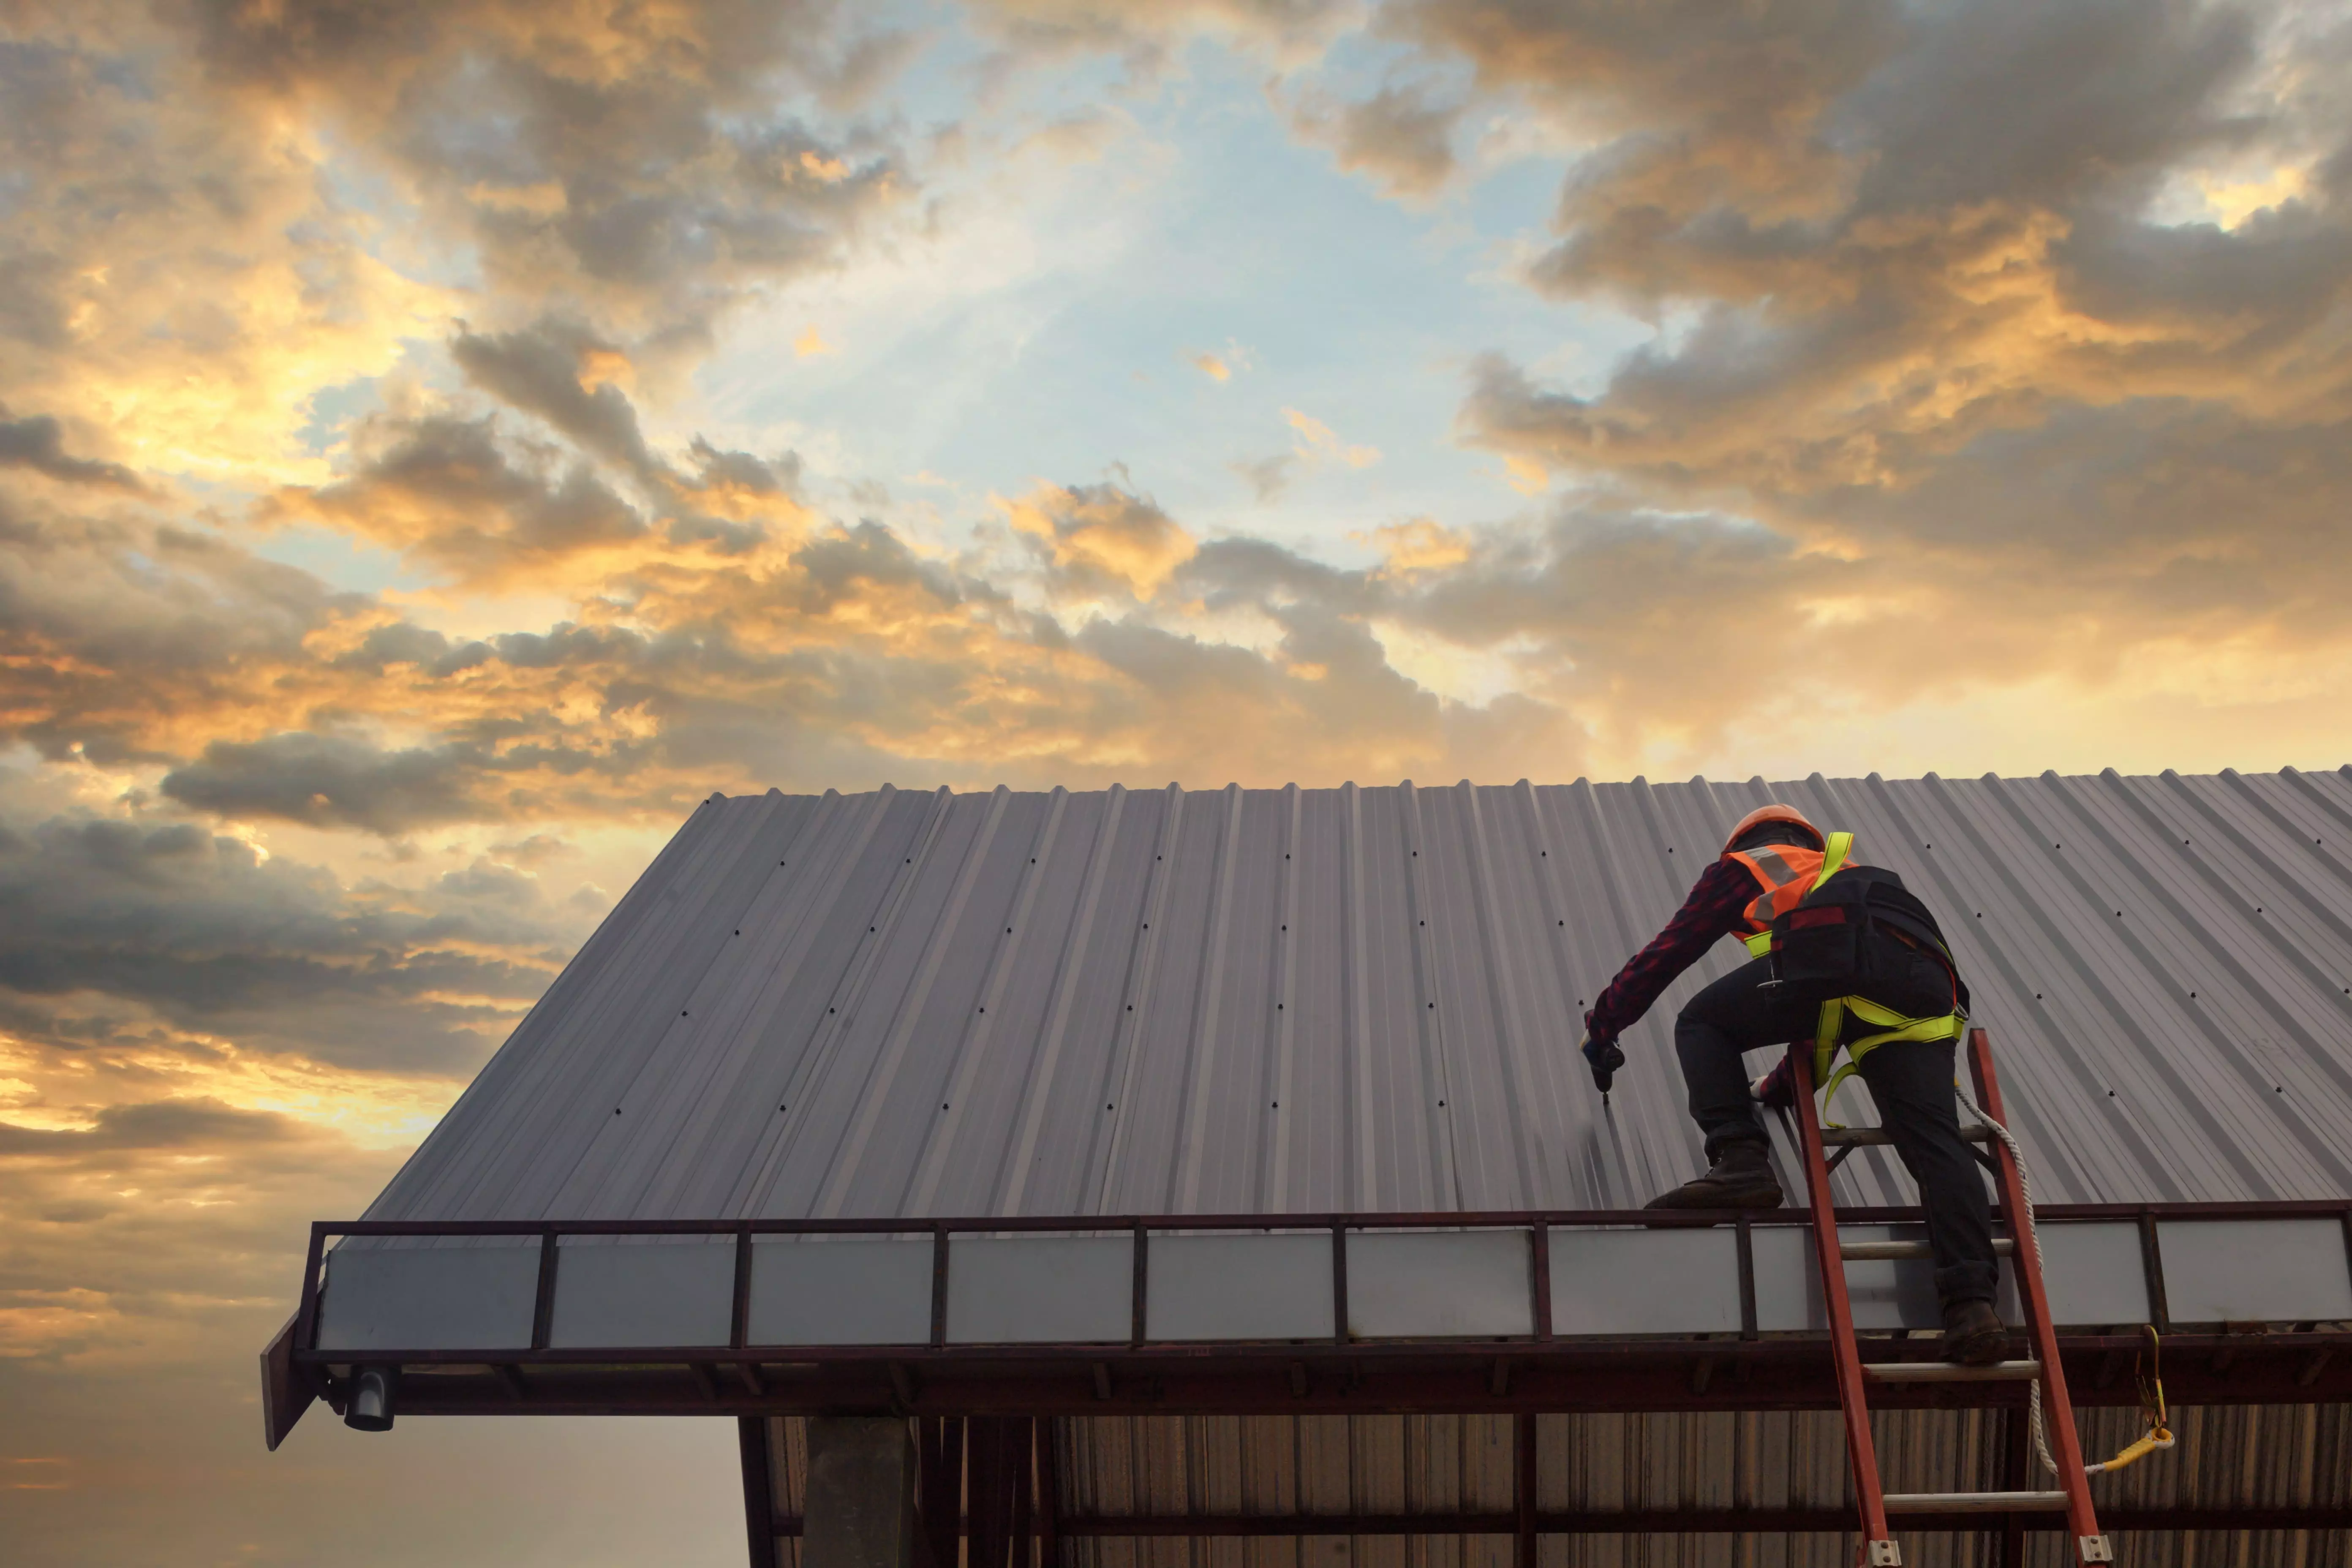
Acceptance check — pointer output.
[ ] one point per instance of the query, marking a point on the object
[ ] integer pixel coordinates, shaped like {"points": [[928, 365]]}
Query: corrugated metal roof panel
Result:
{"points": [[901, 1004]]}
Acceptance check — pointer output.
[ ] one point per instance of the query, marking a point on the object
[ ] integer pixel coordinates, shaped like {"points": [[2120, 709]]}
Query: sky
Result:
{"points": [[441, 442]]}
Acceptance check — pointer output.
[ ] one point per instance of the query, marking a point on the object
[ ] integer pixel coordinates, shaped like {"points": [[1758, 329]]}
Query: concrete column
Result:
{"points": [[860, 1508]]}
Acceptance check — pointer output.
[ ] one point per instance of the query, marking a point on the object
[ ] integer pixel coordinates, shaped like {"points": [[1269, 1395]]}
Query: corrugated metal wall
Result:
{"points": [[2243, 1456], [1288, 1000]]}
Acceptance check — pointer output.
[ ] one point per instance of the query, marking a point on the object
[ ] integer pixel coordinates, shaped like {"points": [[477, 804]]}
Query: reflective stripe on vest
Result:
{"points": [[1788, 872]]}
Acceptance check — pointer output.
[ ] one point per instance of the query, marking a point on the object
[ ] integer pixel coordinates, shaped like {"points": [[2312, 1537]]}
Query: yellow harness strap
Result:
{"points": [[1892, 1026], [1833, 853], [1839, 845]]}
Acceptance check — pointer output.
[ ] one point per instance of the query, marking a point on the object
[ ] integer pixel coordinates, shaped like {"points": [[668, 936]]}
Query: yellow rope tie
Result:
{"points": [[2151, 1409]]}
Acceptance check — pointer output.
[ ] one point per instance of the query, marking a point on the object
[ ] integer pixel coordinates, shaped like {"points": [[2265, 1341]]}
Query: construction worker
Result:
{"points": [[1901, 1028]]}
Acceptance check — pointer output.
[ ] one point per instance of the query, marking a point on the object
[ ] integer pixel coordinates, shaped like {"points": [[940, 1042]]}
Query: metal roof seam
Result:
{"points": [[1070, 965], [1208, 1001], [978, 1033], [1143, 949]]}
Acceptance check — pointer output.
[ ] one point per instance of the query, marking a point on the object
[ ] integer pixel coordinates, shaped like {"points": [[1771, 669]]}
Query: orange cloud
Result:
{"points": [[1097, 535], [1317, 442]]}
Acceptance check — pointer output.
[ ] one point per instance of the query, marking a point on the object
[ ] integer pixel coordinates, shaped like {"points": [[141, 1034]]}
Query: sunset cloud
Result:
{"points": [[1099, 536]]}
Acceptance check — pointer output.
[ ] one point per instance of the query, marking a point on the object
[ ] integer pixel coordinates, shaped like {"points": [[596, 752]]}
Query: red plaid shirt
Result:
{"points": [[1712, 911]]}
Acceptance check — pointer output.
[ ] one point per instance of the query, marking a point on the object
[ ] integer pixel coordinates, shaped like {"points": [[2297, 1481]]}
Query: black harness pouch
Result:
{"points": [[1848, 934]]}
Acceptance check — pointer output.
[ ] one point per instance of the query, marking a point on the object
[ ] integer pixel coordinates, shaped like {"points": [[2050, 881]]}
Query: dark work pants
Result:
{"points": [[1911, 1080]]}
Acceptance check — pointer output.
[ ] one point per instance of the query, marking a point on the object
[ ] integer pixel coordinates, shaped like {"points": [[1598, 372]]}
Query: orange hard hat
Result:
{"points": [[1776, 812]]}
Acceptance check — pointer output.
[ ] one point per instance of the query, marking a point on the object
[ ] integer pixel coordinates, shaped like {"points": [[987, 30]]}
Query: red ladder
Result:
{"points": [[1873, 1502]]}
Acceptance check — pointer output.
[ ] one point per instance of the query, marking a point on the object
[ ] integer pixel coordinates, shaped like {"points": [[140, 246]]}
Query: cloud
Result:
{"points": [[152, 1125], [1080, 138], [1398, 137], [175, 275], [1267, 476], [651, 166], [1319, 443], [448, 490], [325, 781], [1930, 337], [1147, 35], [137, 932], [126, 638], [542, 370], [1215, 368], [1100, 537], [36, 442], [641, 173], [811, 343], [1422, 546]]}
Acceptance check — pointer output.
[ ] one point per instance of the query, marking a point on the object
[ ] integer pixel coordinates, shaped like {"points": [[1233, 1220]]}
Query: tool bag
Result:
{"points": [[1851, 935]]}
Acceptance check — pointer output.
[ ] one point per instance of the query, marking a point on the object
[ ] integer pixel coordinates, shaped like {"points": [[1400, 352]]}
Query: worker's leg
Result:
{"points": [[1736, 1015], [1912, 1083], [1731, 1018]]}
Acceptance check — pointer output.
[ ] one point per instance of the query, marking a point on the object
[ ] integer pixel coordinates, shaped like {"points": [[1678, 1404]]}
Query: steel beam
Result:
{"points": [[1628, 1376], [759, 1488], [1657, 1522]]}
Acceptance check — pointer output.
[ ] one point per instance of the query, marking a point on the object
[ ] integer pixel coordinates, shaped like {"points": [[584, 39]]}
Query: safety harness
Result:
{"points": [[1786, 913], [1892, 1026]]}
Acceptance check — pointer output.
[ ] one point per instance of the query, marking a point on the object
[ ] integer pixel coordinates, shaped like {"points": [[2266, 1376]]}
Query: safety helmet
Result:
{"points": [[1776, 812]]}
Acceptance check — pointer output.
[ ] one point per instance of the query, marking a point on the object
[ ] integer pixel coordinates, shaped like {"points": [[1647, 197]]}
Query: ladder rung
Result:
{"points": [[1952, 1372], [1886, 1251], [1975, 1502], [1837, 1137]]}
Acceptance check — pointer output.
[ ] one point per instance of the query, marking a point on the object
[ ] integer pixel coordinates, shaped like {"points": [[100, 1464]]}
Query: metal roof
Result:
{"points": [[1266, 1001]]}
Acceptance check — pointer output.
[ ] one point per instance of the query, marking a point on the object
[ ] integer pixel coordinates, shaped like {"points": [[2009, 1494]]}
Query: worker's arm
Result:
{"points": [[1712, 911]]}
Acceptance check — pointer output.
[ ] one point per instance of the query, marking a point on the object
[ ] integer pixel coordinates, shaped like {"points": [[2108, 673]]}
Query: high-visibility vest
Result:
{"points": [[1788, 872]]}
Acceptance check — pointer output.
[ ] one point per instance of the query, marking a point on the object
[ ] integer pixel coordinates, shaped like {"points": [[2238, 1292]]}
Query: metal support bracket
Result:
{"points": [[1881, 1555], [2095, 1549]]}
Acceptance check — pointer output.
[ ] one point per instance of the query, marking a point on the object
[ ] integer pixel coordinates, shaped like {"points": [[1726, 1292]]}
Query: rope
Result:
{"points": [[2151, 1389]]}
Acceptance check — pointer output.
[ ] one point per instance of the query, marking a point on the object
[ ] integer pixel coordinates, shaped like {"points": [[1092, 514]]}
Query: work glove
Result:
{"points": [[1604, 1057], [1777, 1089]]}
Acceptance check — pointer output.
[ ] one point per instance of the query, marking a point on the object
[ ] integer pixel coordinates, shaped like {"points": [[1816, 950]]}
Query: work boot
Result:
{"points": [[1973, 1334], [1740, 1178]]}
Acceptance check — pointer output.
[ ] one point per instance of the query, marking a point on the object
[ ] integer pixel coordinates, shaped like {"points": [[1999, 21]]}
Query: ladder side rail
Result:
{"points": [[1869, 1494], [2058, 1410]]}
